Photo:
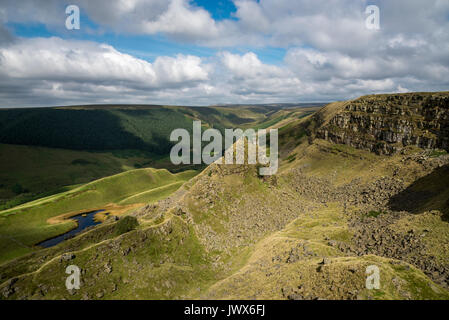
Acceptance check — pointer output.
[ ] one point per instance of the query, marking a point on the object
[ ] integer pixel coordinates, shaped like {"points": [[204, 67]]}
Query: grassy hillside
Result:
{"points": [[30, 172], [23, 226], [143, 128], [60, 147], [309, 232], [115, 128], [235, 235]]}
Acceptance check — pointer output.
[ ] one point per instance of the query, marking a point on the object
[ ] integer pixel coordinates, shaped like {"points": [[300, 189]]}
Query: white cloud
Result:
{"points": [[252, 16], [322, 24], [183, 22], [249, 66], [55, 59], [329, 52], [53, 69]]}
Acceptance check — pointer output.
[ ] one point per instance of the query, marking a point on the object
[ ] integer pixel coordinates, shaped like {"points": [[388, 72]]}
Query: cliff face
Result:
{"points": [[386, 123]]}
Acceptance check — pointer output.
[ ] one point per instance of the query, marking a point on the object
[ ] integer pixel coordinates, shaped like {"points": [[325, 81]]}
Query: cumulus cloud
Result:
{"points": [[55, 59], [306, 73], [249, 66], [53, 66], [323, 24], [329, 54], [183, 22]]}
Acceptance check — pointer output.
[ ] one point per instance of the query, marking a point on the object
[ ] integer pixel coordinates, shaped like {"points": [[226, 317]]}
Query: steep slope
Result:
{"points": [[30, 172], [127, 127], [44, 150], [387, 123], [309, 232], [28, 224]]}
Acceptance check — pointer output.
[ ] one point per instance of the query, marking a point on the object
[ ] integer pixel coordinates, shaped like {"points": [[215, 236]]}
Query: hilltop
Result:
{"points": [[388, 123], [44, 151], [356, 188]]}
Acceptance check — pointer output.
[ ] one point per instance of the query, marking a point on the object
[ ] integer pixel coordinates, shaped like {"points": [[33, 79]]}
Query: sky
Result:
{"points": [[205, 52]]}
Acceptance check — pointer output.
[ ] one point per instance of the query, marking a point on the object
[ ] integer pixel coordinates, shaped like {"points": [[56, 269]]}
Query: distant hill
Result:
{"points": [[44, 149], [118, 127], [335, 209]]}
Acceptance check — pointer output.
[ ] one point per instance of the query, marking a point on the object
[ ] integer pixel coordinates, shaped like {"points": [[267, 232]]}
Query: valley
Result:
{"points": [[356, 187], [42, 182]]}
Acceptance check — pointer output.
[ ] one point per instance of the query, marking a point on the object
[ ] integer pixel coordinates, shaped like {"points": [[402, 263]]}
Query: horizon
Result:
{"points": [[297, 104], [203, 53]]}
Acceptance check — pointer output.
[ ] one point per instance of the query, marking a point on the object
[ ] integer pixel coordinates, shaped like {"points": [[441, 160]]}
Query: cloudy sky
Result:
{"points": [[226, 51]]}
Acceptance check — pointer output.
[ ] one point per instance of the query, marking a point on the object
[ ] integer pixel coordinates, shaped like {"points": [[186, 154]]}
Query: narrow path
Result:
{"points": [[35, 272]]}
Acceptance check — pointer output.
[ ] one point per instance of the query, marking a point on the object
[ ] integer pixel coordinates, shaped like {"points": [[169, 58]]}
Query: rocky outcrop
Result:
{"points": [[375, 194], [374, 235], [386, 123]]}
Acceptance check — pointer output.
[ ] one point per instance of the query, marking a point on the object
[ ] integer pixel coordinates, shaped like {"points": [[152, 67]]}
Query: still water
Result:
{"points": [[83, 223]]}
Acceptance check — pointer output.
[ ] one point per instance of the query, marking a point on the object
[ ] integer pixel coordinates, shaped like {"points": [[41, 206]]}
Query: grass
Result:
{"points": [[272, 122], [432, 230], [168, 257], [45, 171], [153, 194], [437, 153], [374, 214], [40, 180], [103, 128], [126, 224], [291, 157], [174, 266], [340, 163], [168, 261], [267, 275], [61, 147], [26, 225], [329, 222]]}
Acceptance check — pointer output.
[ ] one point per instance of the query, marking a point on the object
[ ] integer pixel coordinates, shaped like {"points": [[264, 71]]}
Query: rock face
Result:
{"points": [[386, 123]]}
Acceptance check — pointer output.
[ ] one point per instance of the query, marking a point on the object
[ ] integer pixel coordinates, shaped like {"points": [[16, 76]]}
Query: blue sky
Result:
{"points": [[149, 47], [227, 51], [222, 9]]}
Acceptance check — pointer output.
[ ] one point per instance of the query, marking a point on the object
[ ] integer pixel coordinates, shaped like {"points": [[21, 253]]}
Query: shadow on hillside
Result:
{"points": [[87, 129], [425, 194]]}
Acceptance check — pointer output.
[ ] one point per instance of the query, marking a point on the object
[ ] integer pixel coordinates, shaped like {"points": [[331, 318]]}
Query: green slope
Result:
{"points": [[23, 226], [102, 128], [235, 234], [31, 172], [44, 150]]}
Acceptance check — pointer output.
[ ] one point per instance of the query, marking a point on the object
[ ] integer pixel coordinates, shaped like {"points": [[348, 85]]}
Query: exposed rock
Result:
{"points": [[9, 289], [107, 268], [386, 123], [374, 236], [67, 257]]}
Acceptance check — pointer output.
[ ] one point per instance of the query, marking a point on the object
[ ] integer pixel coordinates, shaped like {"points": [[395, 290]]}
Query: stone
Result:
{"points": [[67, 256]]}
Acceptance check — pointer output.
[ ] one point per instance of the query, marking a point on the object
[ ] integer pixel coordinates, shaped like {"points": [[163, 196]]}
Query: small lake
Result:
{"points": [[84, 221]]}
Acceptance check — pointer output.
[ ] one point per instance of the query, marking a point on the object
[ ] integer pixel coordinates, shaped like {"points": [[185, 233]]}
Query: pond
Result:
{"points": [[84, 220]]}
